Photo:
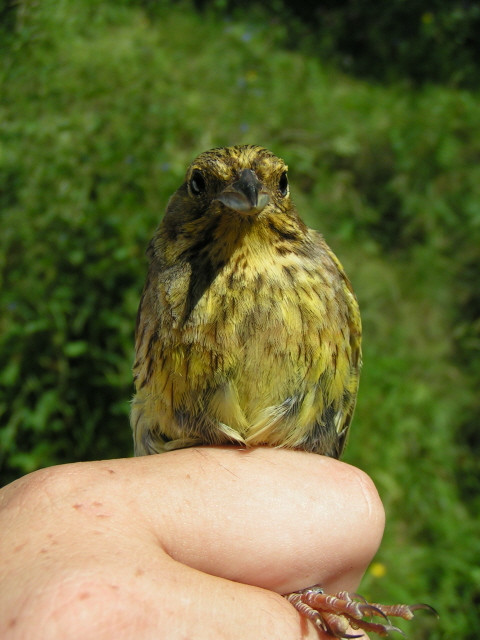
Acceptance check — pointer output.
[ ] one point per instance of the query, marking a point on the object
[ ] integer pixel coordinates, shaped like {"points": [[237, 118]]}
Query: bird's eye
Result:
{"points": [[197, 183], [283, 184]]}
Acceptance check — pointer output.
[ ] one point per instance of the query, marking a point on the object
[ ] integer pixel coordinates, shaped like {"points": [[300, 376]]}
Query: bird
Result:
{"points": [[248, 330], [248, 333]]}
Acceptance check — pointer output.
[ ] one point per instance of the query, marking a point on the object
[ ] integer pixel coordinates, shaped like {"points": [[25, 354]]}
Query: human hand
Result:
{"points": [[196, 543]]}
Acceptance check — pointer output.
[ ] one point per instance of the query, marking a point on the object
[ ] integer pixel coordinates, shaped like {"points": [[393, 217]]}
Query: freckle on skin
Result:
{"points": [[19, 547], [77, 506], [84, 595], [11, 623], [139, 572], [98, 504]]}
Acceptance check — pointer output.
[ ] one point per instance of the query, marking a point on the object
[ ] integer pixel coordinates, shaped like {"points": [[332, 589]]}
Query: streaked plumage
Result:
{"points": [[248, 333], [248, 330]]}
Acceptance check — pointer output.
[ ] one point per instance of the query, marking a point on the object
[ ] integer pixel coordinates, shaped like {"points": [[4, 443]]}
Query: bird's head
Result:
{"points": [[229, 194], [243, 179]]}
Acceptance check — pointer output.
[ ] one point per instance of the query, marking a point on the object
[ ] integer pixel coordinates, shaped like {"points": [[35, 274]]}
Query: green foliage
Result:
{"points": [[405, 39], [102, 107], [399, 40]]}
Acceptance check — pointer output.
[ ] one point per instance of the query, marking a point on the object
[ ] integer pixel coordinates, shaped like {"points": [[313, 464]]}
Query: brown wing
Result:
{"points": [[344, 415]]}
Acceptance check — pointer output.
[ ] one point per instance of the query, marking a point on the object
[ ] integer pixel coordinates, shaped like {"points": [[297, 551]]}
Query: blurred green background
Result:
{"points": [[376, 110]]}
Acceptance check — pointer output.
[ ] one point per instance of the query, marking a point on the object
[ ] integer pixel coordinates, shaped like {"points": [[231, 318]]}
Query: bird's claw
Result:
{"points": [[338, 614]]}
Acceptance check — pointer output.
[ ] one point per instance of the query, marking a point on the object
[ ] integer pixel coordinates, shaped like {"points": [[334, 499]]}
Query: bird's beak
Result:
{"points": [[246, 195]]}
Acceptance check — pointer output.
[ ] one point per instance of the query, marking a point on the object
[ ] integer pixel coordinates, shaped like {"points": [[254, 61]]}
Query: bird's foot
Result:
{"points": [[338, 614]]}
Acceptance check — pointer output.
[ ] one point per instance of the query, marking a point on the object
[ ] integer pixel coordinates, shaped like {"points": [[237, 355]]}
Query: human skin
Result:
{"points": [[197, 543]]}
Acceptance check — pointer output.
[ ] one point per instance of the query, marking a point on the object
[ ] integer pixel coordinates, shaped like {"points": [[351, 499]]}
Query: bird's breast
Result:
{"points": [[265, 330]]}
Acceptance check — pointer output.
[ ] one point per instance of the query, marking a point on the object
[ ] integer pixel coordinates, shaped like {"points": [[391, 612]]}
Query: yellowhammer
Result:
{"points": [[248, 331]]}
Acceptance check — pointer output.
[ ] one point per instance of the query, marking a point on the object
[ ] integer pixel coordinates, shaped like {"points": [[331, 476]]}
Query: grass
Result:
{"points": [[102, 109]]}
